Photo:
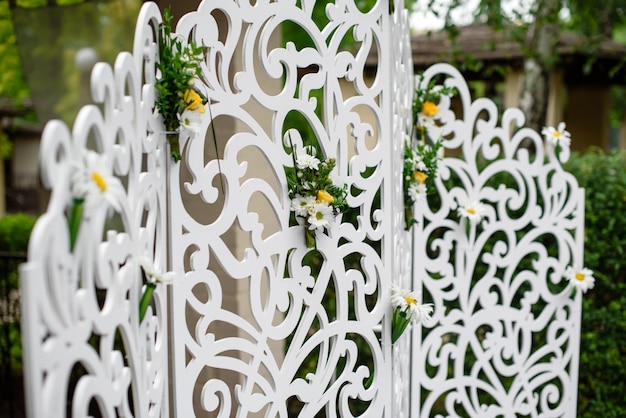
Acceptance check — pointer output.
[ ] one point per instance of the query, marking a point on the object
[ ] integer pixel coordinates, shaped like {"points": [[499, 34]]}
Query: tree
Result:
{"points": [[537, 25], [542, 38]]}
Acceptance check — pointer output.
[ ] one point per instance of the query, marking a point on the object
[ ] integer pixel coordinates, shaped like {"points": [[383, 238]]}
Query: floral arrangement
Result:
{"points": [[418, 173], [420, 159], [179, 101], [407, 308], [315, 200]]}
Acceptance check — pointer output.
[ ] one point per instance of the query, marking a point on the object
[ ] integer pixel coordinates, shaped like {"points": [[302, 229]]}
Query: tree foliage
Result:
{"points": [[536, 25], [12, 81]]}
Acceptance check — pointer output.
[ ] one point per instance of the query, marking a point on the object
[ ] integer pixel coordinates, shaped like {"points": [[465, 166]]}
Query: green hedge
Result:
{"points": [[602, 378], [15, 231]]}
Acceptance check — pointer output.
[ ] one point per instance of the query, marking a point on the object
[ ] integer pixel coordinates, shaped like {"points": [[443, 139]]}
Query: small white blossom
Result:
{"points": [[303, 205], [191, 121], [153, 274], [557, 136], [417, 191], [410, 302], [91, 181], [417, 163], [322, 216], [304, 160], [580, 278], [472, 210]]}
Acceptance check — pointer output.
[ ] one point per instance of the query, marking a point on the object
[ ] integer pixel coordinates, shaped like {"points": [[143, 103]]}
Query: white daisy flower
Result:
{"points": [[303, 205], [191, 121], [305, 160], [409, 301], [91, 181], [580, 278], [472, 210], [417, 163], [153, 274], [322, 216], [558, 136], [417, 191]]}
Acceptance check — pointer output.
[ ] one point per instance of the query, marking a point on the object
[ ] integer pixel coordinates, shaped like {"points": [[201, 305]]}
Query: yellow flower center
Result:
{"points": [[324, 196], [430, 109], [419, 176], [579, 276], [99, 180], [410, 301], [193, 101], [557, 134], [471, 211]]}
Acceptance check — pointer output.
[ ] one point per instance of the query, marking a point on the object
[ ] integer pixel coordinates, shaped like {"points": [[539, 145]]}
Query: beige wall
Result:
{"points": [[513, 84], [584, 109]]}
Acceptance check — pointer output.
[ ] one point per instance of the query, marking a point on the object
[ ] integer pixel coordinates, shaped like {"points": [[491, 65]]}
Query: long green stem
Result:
{"points": [[309, 237], [146, 299], [76, 216], [174, 146], [399, 322]]}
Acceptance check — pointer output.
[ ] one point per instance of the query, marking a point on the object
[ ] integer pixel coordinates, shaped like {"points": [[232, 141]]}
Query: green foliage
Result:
{"points": [[12, 79], [15, 231], [602, 377], [6, 146]]}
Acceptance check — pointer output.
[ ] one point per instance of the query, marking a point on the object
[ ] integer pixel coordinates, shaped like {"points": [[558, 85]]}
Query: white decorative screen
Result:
{"points": [[504, 338], [257, 323], [85, 351], [262, 324]]}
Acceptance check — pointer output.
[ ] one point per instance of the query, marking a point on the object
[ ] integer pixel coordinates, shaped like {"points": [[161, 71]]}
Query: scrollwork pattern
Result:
{"points": [[85, 352], [505, 331], [242, 363]]}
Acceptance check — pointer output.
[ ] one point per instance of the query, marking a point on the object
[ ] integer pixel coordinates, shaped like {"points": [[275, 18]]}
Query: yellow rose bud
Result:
{"points": [[419, 176], [430, 109], [193, 101], [324, 196]]}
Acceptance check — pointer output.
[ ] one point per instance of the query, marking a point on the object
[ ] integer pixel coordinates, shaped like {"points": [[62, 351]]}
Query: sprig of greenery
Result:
{"points": [[179, 67]]}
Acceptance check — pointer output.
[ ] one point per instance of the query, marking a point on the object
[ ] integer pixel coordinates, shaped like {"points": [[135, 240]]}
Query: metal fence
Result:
{"points": [[11, 386]]}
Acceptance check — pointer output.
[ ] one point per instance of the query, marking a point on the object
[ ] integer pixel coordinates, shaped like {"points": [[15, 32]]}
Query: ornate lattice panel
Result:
{"points": [[262, 324], [504, 337], [85, 351]]}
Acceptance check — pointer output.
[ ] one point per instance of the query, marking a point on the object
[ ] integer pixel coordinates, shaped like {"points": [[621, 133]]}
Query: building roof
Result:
{"points": [[498, 49]]}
